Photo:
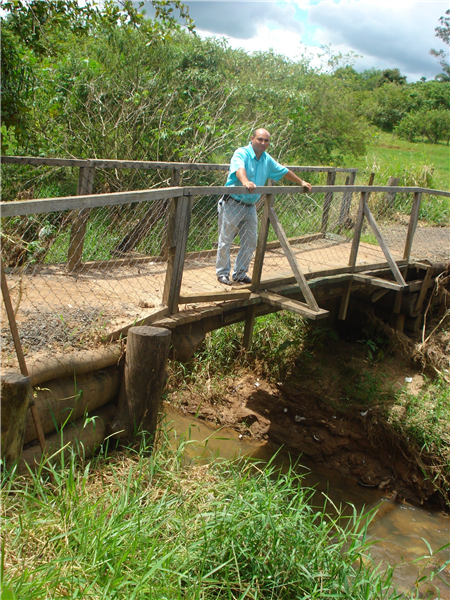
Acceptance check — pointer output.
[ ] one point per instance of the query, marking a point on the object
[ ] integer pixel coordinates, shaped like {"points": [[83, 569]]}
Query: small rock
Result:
{"points": [[285, 410]]}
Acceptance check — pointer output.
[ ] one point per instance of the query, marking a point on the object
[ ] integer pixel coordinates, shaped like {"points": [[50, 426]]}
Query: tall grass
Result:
{"points": [[141, 526]]}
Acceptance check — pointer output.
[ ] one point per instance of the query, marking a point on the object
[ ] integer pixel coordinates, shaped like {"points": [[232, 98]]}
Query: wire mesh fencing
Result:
{"points": [[77, 275]]}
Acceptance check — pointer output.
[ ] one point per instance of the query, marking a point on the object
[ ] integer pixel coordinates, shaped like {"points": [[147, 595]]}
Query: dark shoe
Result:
{"points": [[224, 279], [245, 279]]}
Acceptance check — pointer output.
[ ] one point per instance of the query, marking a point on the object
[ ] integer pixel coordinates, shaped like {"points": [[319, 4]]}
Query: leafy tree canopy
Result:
{"points": [[35, 29], [443, 32]]}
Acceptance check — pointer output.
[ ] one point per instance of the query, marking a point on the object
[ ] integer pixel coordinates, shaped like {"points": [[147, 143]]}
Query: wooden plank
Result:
{"points": [[309, 297], [247, 340], [378, 294], [358, 229], [261, 244], [328, 199], [122, 164], [343, 308], [216, 296], [158, 314], [413, 219], [378, 282], [295, 306], [398, 302], [177, 253], [313, 283], [45, 205], [288, 279], [78, 229], [395, 270], [423, 290]]}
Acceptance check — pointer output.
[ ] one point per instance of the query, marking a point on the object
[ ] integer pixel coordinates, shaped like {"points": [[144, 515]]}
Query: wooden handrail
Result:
{"points": [[149, 164], [28, 207]]}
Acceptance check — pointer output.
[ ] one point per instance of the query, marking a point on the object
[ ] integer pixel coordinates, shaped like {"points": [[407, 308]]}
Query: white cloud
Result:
{"points": [[280, 40], [242, 19], [387, 34]]}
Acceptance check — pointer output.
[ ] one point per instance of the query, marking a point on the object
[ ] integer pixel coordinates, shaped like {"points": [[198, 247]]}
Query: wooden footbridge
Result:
{"points": [[150, 254], [81, 268]]}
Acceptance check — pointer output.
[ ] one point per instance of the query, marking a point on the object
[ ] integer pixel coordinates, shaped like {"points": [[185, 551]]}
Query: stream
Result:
{"points": [[400, 529]]}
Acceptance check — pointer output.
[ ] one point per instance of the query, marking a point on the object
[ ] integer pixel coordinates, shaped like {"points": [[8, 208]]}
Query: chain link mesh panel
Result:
{"points": [[75, 276]]}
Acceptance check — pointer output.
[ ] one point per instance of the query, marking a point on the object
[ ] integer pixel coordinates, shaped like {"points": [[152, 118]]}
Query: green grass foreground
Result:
{"points": [[136, 525]]}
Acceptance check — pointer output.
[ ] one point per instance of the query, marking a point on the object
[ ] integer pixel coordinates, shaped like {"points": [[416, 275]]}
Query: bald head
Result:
{"points": [[260, 141]]}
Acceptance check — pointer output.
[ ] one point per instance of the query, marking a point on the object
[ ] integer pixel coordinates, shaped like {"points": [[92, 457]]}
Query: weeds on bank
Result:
{"points": [[140, 526], [424, 420], [277, 342]]}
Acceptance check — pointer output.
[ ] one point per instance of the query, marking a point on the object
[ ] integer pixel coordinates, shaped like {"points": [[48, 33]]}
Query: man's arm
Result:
{"points": [[241, 174], [293, 177]]}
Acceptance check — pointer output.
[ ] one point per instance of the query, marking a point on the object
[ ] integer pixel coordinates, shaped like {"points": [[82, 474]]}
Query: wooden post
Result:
{"points": [[19, 352], [257, 269], [262, 241], [331, 178], [412, 224], [179, 229], [143, 382], [393, 265], [344, 213], [77, 233], [16, 396], [174, 182], [358, 229], [353, 254], [299, 277], [390, 196]]}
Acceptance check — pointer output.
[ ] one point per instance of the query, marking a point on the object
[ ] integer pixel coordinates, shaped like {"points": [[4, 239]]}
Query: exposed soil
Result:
{"points": [[308, 416]]}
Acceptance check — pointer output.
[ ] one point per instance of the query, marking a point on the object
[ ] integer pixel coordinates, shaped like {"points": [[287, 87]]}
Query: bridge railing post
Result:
{"points": [[344, 213], [78, 230], [257, 268], [331, 179], [413, 219], [179, 221]]}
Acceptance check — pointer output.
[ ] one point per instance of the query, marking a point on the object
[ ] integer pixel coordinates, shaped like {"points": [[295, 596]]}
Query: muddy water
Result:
{"points": [[400, 530]]}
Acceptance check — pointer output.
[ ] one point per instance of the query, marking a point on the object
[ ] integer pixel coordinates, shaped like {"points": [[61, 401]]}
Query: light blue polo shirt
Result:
{"points": [[258, 171]]}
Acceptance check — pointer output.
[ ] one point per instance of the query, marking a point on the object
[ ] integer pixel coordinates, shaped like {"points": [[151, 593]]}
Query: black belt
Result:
{"points": [[227, 197]]}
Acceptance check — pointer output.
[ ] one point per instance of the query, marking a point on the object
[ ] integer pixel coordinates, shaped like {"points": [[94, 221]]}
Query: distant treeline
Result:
{"points": [[112, 90]]}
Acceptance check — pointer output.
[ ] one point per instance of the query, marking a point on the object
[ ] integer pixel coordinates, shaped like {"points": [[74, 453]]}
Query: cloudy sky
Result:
{"points": [[385, 33]]}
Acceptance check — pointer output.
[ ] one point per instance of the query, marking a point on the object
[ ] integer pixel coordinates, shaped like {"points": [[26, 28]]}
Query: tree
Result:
{"points": [[443, 32], [432, 124], [392, 76], [33, 30]]}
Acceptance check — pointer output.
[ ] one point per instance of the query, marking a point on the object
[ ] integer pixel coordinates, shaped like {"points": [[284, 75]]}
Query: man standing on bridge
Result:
{"points": [[250, 167]]}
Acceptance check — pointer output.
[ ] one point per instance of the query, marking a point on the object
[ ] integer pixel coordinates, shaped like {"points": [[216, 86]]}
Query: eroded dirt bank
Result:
{"points": [[309, 415]]}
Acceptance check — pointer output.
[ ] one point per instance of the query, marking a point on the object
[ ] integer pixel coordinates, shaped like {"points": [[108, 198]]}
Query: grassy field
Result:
{"points": [[423, 164]]}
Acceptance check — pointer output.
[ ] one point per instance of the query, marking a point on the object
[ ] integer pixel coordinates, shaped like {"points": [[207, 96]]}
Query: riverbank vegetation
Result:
{"points": [[139, 525]]}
